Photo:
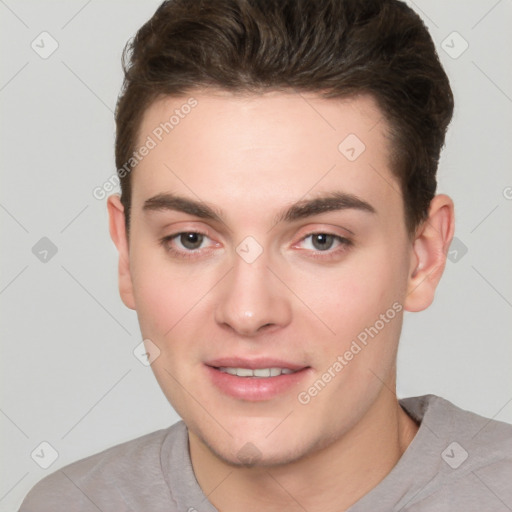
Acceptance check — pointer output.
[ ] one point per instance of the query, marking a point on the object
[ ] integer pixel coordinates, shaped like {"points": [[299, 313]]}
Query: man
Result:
{"points": [[278, 215]]}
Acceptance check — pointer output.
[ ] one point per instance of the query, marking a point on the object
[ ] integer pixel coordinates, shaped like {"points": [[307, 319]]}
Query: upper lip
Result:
{"points": [[253, 364]]}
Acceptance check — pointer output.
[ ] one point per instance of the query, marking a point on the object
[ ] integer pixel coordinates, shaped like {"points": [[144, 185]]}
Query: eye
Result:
{"points": [[328, 243], [187, 244], [321, 241], [191, 240]]}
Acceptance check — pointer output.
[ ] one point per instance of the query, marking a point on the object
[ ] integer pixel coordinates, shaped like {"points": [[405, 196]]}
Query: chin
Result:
{"points": [[251, 456], [252, 448]]}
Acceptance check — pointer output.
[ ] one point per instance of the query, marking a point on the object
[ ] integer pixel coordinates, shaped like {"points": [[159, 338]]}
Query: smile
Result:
{"points": [[256, 380], [258, 372]]}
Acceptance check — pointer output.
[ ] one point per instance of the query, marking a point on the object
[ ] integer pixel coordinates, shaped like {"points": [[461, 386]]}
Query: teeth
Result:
{"points": [[259, 372], [244, 372]]}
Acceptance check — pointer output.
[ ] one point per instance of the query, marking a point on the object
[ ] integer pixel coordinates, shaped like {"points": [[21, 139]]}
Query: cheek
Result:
{"points": [[164, 293], [350, 298]]}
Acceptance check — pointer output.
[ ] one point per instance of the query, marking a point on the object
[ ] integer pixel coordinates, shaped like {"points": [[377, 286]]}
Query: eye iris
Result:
{"points": [[191, 240], [322, 241]]}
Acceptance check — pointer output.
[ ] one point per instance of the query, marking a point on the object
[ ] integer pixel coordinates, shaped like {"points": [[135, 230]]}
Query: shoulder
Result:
{"points": [[117, 478], [471, 455], [486, 437]]}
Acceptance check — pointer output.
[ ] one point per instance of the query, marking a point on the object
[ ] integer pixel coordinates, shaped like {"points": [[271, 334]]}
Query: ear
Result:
{"points": [[119, 237], [428, 256]]}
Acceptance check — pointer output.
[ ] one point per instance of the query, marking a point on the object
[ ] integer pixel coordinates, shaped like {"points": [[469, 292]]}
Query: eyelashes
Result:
{"points": [[190, 238], [327, 240], [320, 245]]}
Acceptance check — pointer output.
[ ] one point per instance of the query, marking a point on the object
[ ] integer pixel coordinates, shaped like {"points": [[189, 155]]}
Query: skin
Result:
{"points": [[250, 158]]}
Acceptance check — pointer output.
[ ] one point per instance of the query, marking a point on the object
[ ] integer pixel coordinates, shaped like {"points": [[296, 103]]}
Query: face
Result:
{"points": [[268, 262]]}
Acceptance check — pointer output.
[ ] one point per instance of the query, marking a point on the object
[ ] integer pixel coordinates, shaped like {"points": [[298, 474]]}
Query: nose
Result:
{"points": [[252, 300]]}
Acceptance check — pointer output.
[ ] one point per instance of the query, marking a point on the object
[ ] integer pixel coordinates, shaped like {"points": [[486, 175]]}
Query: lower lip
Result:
{"points": [[255, 388]]}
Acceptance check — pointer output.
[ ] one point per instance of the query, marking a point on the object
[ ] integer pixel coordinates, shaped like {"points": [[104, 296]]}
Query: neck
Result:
{"points": [[331, 479]]}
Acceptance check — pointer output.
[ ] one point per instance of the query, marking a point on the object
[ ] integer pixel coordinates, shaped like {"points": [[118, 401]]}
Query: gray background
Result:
{"points": [[69, 375]]}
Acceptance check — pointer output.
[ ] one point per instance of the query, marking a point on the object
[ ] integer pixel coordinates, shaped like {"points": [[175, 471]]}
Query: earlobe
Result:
{"points": [[428, 257], [119, 236]]}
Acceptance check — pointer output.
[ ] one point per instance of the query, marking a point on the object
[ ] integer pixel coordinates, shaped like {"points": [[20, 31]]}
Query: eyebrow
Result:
{"points": [[334, 201], [163, 202]]}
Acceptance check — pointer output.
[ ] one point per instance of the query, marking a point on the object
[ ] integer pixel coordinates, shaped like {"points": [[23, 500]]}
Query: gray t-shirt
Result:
{"points": [[458, 461]]}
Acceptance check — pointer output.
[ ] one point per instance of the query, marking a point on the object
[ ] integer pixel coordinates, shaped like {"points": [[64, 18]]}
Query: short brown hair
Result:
{"points": [[337, 48]]}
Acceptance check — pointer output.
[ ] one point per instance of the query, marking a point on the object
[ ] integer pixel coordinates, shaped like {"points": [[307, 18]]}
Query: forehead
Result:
{"points": [[276, 145]]}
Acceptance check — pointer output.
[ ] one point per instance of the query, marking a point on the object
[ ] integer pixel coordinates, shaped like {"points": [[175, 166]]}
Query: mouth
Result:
{"points": [[260, 373], [255, 380]]}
